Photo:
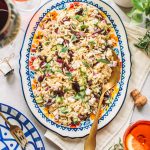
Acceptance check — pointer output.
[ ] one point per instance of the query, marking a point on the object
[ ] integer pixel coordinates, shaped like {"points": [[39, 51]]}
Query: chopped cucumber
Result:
{"points": [[82, 88], [47, 43], [92, 43], [48, 59], [77, 96], [59, 47], [83, 27], [59, 70], [54, 48], [75, 120], [59, 99], [82, 93], [39, 99], [79, 18], [64, 110]]}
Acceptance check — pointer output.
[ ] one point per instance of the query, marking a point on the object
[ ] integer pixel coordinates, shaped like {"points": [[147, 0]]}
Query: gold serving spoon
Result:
{"points": [[90, 143]]}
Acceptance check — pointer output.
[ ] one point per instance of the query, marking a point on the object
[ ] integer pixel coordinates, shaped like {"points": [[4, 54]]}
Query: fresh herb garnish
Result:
{"points": [[144, 43], [74, 38], [91, 43], [64, 49], [69, 74], [118, 146], [86, 64], [59, 70], [48, 68], [140, 10], [105, 61]]}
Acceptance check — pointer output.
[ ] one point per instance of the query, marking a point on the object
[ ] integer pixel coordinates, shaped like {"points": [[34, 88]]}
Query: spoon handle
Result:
{"points": [[5, 119], [90, 143]]}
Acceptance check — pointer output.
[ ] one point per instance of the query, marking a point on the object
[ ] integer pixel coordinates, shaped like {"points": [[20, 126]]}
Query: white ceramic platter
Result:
{"points": [[27, 75]]}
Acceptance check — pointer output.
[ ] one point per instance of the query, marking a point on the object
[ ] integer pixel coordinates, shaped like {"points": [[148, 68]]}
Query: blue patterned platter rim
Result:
{"points": [[26, 74], [7, 142]]}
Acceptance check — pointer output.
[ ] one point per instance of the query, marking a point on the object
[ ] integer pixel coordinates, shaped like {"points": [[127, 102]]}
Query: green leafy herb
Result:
{"points": [[48, 68], [141, 8], [86, 64], [64, 49], [105, 61], [138, 4], [83, 27], [59, 70], [75, 120], [91, 42], [68, 74], [118, 146], [73, 38], [144, 43]]}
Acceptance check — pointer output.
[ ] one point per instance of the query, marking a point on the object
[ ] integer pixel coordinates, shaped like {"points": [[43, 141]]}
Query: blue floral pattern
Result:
{"points": [[7, 142]]}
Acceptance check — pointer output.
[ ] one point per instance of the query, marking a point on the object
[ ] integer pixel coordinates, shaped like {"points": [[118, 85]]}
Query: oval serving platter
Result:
{"points": [[17, 118], [119, 92]]}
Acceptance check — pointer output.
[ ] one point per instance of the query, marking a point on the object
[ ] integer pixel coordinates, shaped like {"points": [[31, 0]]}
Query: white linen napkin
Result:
{"points": [[115, 129]]}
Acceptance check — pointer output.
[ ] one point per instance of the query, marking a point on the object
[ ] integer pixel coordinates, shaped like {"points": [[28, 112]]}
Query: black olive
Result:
{"points": [[66, 19], [41, 78], [80, 12], [83, 117], [49, 103], [56, 30], [40, 47], [89, 82], [70, 53], [60, 93], [76, 86], [42, 58]]}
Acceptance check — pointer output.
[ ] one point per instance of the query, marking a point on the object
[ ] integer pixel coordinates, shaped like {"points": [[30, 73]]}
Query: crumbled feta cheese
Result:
{"points": [[102, 41], [56, 117], [71, 44], [60, 40], [88, 91], [110, 42], [76, 108], [55, 112], [92, 101], [108, 53], [113, 64], [91, 29], [71, 99], [95, 21], [95, 12], [76, 64], [67, 23]]}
